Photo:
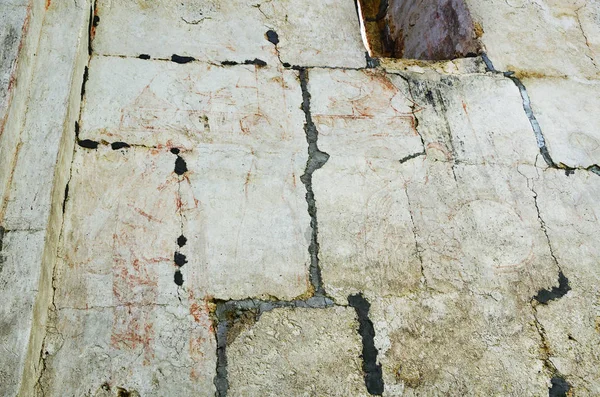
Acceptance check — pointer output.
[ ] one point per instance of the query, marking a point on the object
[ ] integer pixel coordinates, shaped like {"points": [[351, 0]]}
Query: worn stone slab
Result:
{"points": [[245, 224], [387, 218], [567, 112], [571, 323], [216, 31], [233, 31], [53, 100], [316, 33], [117, 310], [20, 252], [240, 130], [477, 228], [139, 350], [366, 124], [163, 103], [13, 24], [34, 161], [458, 344], [475, 119], [541, 38], [246, 219], [12, 21], [298, 352]]}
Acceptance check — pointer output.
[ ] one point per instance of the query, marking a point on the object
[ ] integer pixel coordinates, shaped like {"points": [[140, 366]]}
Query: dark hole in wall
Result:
{"points": [[418, 29]]}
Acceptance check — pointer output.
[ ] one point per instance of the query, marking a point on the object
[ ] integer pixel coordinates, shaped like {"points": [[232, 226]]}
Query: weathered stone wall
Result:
{"points": [[231, 198]]}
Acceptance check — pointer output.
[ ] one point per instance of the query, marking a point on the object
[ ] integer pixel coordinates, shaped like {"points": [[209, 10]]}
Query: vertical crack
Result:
{"points": [[316, 159]]}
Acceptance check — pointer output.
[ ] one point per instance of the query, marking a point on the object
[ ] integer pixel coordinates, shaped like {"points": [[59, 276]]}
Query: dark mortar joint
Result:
{"points": [[560, 387], [65, 198], [179, 259], [178, 278], [85, 79], [2, 232], [119, 145], [255, 61], [372, 371], [88, 144], [180, 166], [544, 296], [272, 36], [316, 159], [181, 59]]}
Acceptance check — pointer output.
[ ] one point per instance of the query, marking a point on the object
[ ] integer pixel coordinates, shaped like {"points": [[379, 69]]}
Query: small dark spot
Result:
{"points": [[286, 65], [181, 241], [255, 61], [88, 144], [560, 387], [144, 56], [96, 20], [174, 150], [569, 171], [544, 296], [105, 386], [272, 36], [65, 198], [181, 59], [229, 63], [119, 145], [179, 259], [180, 166], [178, 278]]}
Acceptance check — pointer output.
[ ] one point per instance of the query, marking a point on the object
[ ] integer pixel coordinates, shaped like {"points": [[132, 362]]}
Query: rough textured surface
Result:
{"points": [[298, 352]]}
